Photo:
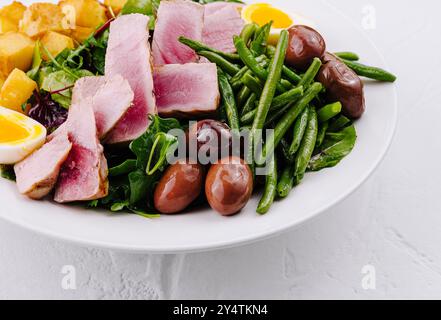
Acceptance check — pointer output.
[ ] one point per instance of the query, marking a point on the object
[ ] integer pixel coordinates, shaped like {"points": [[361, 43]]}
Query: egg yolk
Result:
{"points": [[265, 14], [11, 131]]}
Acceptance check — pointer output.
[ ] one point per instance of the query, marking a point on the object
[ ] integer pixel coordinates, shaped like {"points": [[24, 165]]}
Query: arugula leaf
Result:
{"points": [[146, 7], [124, 168], [334, 148], [166, 144], [142, 146], [140, 184]]}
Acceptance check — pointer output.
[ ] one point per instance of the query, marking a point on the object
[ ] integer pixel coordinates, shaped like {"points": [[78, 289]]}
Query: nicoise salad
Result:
{"points": [[153, 106]]}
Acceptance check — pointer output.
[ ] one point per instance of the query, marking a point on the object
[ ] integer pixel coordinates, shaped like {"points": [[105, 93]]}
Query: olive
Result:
{"points": [[342, 84], [229, 185], [213, 138], [180, 185], [304, 45]]}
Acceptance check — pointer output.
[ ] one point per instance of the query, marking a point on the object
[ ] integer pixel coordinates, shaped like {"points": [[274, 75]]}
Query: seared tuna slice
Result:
{"points": [[128, 55], [111, 98], [84, 174], [186, 89], [37, 174], [222, 22], [176, 18]]}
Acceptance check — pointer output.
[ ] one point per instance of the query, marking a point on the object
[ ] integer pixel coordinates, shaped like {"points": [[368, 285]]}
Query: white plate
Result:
{"points": [[206, 230]]}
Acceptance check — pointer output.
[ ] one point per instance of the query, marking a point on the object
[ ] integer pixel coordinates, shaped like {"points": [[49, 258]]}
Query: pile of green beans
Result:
{"points": [[259, 91]]}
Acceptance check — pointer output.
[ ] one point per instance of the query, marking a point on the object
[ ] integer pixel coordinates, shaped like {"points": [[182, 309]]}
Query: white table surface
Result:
{"points": [[393, 222]]}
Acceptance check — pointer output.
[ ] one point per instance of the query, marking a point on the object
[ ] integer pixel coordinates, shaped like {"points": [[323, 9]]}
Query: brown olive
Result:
{"points": [[180, 185], [342, 84], [212, 138], [229, 185], [304, 45]]}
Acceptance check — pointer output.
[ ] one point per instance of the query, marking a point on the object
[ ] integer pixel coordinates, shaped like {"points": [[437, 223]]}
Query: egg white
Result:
{"points": [[15, 151]]}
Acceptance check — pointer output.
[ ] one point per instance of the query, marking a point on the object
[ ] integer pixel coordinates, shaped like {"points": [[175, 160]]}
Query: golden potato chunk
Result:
{"points": [[16, 90], [55, 43], [88, 13], [16, 51], [7, 25], [40, 18], [80, 34], [2, 80], [116, 5], [14, 12]]}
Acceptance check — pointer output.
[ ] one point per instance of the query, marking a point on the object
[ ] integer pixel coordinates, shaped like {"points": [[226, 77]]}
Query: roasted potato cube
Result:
{"points": [[14, 12], [2, 80], [16, 51], [16, 90], [80, 34], [89, 13], [40, 18], [7, 25], [55, 43], [116, 5]]}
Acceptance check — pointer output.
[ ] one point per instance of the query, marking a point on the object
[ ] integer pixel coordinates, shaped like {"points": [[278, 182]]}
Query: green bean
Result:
{"points": [[370, 72], [269, 193], [198, 47], [221, 62], [228, 100], [253, 84], [287, 97], [278, 103], [267, 94], [250, 104], [248, 32], [286, 182], [299, 131], [310, 74], [295, 109], [338, 124], [236, 81], [258, 45], [284, 148], [329, 111], [307, 146], [273, 117], [351, 56], [269, 90], [248, 117], [291, 75], [238, 76], [248, 59], [321, 134], [243, 96]]}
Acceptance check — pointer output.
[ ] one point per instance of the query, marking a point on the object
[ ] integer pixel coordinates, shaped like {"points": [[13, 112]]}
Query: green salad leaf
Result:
{"points": [[334, 148], [134, 173], [60, 84], [146, 7], [36, 62]]}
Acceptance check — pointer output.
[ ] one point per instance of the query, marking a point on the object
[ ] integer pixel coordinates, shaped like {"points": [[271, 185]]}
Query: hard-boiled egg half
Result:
{"points": [[19, 136], [262, 13]]}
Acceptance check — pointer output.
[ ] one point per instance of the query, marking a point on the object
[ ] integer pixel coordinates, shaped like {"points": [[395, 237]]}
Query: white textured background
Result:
{"points": [[393, 222]]}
